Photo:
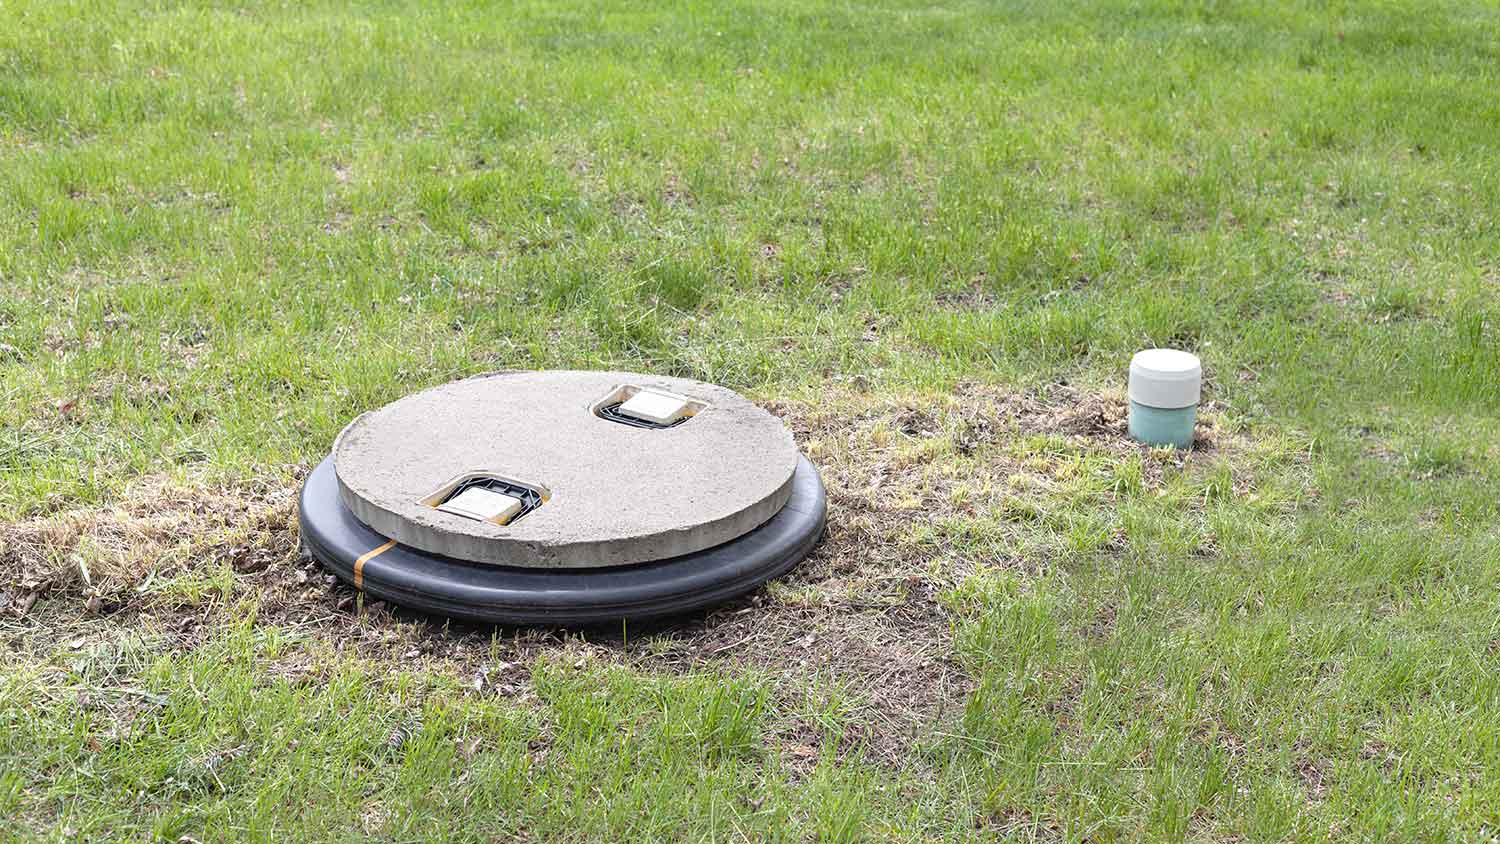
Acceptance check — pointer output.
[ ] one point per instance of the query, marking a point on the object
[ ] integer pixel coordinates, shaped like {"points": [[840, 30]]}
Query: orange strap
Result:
{"points": [[359, 564]]}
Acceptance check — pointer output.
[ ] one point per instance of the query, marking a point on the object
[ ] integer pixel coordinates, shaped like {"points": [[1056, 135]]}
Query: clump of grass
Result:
{"points": [[1433, 455]]}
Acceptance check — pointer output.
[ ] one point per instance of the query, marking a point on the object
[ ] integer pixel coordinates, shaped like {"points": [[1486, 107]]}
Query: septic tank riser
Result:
{"points": [[563, 498], [618, 494], [558, 597]]}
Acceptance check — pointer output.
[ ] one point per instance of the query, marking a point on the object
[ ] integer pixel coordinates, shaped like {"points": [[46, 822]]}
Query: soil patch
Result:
{"points": [[865, 614]]}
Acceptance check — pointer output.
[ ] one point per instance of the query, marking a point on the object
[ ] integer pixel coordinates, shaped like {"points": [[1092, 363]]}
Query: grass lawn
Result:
{"points": [[929, 237]]}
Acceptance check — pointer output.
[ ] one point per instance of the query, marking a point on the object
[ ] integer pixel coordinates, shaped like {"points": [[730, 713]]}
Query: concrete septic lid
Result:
{"points": [[613, 494]]}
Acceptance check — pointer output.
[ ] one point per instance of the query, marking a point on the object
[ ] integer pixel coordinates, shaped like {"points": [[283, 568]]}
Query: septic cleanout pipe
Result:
{"points": [[1165, 385]]}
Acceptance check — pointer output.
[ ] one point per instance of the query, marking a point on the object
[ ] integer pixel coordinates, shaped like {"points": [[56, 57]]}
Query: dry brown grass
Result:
{"points": [[864, 617], [108, 557]]}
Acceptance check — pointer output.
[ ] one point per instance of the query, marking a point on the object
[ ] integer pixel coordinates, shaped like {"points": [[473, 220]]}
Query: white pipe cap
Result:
{"points": [[1165, 378]]}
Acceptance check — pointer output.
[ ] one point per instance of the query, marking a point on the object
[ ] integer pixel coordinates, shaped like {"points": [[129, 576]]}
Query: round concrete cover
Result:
{"points": [[616, 494]]}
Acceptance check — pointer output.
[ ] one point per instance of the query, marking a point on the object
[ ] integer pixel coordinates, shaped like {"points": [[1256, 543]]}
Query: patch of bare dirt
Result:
{"points": [[974, 296], [864, 615], [110, 557]]}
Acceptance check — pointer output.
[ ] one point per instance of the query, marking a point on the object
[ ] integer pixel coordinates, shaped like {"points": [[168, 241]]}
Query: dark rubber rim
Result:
{"points": [[568, 597]]}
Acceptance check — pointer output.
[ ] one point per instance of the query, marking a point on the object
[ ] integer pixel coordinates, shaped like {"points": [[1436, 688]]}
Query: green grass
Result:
{"points": [[225, 230]]}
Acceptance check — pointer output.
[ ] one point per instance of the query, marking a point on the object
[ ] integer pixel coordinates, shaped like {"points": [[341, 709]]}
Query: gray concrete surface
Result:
{"points": [[616, 494]]}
